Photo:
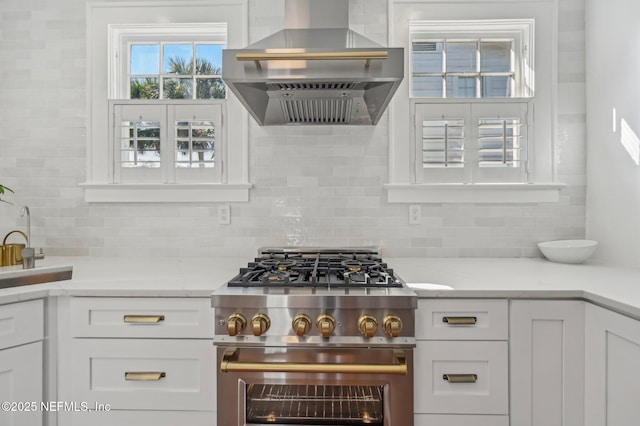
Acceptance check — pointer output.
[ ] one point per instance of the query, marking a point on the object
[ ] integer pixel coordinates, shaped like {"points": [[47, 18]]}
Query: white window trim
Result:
{"points": [[402, 186], [98, 187]]}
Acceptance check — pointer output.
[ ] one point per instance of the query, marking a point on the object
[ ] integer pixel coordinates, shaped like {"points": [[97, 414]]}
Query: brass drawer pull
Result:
{"points": [[460, 378], [460, 320], [145, 376], [143, 319], [229, 363]]}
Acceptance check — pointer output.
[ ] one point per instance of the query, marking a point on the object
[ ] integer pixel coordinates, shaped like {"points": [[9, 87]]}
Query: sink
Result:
{"points": [[24, 277]]}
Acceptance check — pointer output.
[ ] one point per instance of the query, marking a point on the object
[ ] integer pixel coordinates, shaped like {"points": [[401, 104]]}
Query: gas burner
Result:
{"points": [[277, 264], [359, 265], [278, 277]]}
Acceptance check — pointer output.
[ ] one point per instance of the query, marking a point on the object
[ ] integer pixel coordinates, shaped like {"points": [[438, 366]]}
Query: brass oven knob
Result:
{"points": [[367, 326], [326, 324], [260, 323], [235, 324], [301, 324], [392, 325]]}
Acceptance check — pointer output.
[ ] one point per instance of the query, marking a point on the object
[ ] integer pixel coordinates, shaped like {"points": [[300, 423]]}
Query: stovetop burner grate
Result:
{"points": [[326, 270]]}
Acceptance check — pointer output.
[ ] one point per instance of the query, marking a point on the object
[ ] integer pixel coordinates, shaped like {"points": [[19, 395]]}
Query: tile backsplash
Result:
{"points": [[320, 186]]}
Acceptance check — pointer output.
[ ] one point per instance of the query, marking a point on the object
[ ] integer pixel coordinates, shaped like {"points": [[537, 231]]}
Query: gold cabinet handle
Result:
{"points": [[145, 376], [460, 378], [460, 320], [229, 364], [143, 319]]}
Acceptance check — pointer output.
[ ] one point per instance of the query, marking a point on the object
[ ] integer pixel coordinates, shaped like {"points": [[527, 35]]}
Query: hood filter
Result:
{"points": [[317, 111]]}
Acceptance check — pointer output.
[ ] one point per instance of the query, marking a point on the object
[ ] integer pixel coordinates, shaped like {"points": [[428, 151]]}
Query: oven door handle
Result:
{"points": [[229, 364]]}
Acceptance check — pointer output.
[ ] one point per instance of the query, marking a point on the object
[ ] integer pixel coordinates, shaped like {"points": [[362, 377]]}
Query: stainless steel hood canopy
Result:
{"points": [[313, 73]]}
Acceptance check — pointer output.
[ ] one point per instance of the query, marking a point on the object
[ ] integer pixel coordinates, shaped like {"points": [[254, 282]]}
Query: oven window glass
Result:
{"points": [[314, 404]]}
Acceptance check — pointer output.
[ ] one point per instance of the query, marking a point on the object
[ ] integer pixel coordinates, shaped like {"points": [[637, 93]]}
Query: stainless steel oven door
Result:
{"points": [[314, 386]]}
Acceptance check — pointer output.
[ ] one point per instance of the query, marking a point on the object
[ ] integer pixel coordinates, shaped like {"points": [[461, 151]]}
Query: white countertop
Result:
{"points": [[534, 278]]}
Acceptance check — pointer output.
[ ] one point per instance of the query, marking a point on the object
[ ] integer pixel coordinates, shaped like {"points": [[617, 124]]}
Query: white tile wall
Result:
{"points": [[313, 185]]}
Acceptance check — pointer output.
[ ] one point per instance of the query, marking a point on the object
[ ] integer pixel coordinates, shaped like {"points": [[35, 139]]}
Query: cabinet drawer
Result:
{"points": [[144, 317], [461, 377], [145, 374], [143, 418], [462, 319], [21, 323], [459, 420]]}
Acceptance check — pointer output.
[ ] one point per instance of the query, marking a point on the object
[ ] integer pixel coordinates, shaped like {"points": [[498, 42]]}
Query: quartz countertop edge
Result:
{"points": [[615, 288]]}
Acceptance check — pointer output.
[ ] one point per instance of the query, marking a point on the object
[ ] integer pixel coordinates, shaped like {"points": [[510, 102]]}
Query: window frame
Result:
{"points": [[101, 69], [404, 185]]}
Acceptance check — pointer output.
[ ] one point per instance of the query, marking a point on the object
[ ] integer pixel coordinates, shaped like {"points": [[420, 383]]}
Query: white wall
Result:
{"points": [[613, 83], [313, 185]]}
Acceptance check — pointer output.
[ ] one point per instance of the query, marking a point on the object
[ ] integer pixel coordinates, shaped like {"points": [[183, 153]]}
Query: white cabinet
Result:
{"points": [[148, 361], [461, 363], [612, 382], [547, 363], [21, 363]]}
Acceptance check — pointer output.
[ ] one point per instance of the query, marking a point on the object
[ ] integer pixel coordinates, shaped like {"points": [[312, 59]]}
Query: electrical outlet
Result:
{"points": [[415, 214], [224, 215]]}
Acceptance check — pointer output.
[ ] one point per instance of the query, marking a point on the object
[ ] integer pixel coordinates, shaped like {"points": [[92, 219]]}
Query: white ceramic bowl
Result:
{"points": [[568, 251]]}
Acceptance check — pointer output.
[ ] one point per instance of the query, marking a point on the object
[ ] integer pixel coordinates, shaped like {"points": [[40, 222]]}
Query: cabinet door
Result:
{"points": [[547, 363], [21, 385], [612, 385]]}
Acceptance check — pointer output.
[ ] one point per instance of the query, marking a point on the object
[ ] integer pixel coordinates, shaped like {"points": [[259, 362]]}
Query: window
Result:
{"points": [[462, 68], [166, 133], [464, 80], [175, 70], [162, 122], [463, 125]]}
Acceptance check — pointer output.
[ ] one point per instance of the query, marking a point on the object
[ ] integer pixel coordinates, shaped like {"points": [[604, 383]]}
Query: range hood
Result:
{"points": [[314, 73]]}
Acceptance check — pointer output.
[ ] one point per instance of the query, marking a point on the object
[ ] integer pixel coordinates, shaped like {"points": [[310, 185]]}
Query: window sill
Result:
{"points": [[474, 193], [167, 193]]}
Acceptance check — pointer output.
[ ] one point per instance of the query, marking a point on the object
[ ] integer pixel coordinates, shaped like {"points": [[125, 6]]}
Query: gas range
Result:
{"points": [[315, 296]]}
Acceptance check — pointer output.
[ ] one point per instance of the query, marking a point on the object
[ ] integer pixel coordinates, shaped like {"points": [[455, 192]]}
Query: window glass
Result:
{"points": [[183, 71], [461, 56], [178, 59], [145, 59], [211, 54], [495, 56]]}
